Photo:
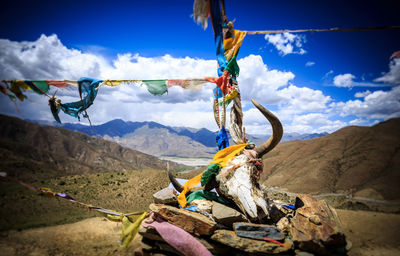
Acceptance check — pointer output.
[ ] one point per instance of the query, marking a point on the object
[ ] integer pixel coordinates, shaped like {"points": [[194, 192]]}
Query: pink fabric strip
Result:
{"points": [[178, 238]]}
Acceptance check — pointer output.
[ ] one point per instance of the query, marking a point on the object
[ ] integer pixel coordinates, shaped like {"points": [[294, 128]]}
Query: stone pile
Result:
{"points": [[312, 227]]}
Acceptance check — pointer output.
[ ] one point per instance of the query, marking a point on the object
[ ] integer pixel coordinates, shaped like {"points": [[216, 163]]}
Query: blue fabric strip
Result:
{"points": [[87, 87], [222, 139], [216, 20]]}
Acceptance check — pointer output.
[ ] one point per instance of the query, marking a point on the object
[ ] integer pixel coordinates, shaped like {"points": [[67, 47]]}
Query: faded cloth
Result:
{"points": [[87, 92], [205, 195], [222, 138], [186, 187], [212, 169], [223, 156], [178, 238], [222, 82], [232, 45], [130, 229]]}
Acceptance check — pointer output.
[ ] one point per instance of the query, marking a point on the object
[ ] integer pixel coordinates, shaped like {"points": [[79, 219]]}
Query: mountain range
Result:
{"points": [[30, 150], [160, 140], [357, 161]]}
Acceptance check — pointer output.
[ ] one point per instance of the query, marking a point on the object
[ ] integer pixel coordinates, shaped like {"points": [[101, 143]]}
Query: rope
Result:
{"points": [[47, 191], [321, 30]]}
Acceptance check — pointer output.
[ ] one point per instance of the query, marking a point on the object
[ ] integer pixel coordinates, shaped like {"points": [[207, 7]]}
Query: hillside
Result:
{"points": [[91, 170], [362, 161], [31, 151]]}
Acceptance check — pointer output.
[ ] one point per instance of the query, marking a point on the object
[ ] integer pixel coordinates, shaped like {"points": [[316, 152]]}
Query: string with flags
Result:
{"points": [[88, 88]]}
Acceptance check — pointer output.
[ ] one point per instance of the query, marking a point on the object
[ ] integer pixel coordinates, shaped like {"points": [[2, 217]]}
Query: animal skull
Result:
{"points": [[238, 180]]}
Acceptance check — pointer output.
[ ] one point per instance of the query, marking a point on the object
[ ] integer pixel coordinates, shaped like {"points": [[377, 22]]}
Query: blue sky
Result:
{"points": [[314, 82]]}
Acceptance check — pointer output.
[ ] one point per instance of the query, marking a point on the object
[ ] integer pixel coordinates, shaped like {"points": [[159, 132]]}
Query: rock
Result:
{"points": [[166, 196], [215, 248], [146, 244], [248, 245], [349, 245], [315, 226], [257, 231], [276, 213], [156, 247], [138, 252], [191, 222], [226, 215], [203, 205], [150, 233], [315, 219], [283, 225], [301, 253]]}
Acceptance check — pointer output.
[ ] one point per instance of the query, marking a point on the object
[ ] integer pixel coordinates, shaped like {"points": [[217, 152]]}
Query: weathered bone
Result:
{"points": [[174, 182], [241, 185], [277, 131], [238, 180]]}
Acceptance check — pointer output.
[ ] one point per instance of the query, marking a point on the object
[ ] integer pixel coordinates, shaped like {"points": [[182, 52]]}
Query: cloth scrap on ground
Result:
{"points": [[178, 238]]}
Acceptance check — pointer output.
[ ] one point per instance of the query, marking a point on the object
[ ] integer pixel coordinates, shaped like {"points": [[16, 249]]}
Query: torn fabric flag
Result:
{"points": [[87, 90]]}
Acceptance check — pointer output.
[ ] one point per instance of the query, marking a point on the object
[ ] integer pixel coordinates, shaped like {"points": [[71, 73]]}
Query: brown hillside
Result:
{"points": [[34, 152], [362, 161]]}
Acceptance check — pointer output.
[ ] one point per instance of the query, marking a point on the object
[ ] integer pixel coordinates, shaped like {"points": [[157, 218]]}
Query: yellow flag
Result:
{"points": [[223, 156], [188, 185], [130, 229], [232, 45]]}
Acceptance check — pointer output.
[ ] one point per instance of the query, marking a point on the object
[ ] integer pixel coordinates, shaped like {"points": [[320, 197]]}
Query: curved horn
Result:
{"points": [[277, 131], [174, 182]]}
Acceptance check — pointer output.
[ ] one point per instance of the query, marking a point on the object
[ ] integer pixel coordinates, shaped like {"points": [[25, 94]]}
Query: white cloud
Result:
{"points": [[362, 94], [315, 123], [287, 43], [310, 63], [46, 58], [301, 109], [393, 76], [302, 100], [326, 78], [260, 83], [345, 80], [377, 105], [363, 122]]}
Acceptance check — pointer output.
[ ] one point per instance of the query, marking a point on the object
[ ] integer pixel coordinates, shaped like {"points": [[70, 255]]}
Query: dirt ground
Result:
{"points": [[94, 236], [371, 233]]}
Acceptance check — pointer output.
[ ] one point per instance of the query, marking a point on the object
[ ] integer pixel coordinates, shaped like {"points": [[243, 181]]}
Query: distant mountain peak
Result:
{"points": [[119, 130]]}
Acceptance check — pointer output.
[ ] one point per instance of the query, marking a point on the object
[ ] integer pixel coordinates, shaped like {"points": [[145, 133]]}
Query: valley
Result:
{"points": [[354, 169]]}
